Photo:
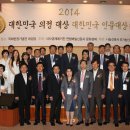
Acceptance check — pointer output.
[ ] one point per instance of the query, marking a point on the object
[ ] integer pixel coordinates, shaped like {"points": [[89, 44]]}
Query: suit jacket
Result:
{"points": [[32, 65], [48, 65], [117, 83], [105, 62], [99, 86], [54, 86], [127, 81], [128, 60], [69, 98], [73, 63], [87, 85], [94, 54], [35, 85], [121, 59], [22, 90]]}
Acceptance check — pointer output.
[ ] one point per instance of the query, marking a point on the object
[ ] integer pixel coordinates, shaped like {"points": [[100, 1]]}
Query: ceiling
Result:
{"points": [[114, 2]]}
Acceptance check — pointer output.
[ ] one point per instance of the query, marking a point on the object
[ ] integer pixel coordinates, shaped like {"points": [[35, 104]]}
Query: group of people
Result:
{"points": [[96, 79]]}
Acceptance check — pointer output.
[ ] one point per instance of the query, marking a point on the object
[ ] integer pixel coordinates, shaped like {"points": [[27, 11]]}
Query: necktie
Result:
{"points": [[123, 77], [90, 56], [37, 60], [57, 77], [82, 76], [69, 57], [101, 59], [111, 82], [126, 58], [39, 83], [52, 58], [116, 57]]}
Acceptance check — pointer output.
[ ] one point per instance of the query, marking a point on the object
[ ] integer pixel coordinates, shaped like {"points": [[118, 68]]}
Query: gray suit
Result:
{"points": [[83, 94], [69, 98], [98, 89]]}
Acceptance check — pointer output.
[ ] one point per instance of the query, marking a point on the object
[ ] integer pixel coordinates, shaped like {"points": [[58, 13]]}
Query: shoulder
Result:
{"points": [[46, 56], [65, 54], [73, 54], [121, 56], [18, 75], [95, 53]]}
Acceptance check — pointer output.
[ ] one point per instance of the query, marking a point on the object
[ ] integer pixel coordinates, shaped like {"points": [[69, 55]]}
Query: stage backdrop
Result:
{"points": [[45, 24]]}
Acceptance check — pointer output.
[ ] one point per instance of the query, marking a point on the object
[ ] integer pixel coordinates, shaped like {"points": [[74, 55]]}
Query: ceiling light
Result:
{"points": [[85, 1], [30, 0], [12, 0], [120, 2], [103, 1], [49, 1]]}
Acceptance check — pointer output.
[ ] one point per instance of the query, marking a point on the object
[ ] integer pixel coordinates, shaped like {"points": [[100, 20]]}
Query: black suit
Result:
{"points": [[48, 65], [32, 65], [23, 91], [112, 96], [40, 97], [54, 87], [124, 102], [121, 59], [73, 62], [105, 61], [99, 88]]}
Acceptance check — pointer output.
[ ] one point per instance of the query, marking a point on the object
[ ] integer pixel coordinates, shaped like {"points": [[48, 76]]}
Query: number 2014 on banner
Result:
{"points": [[69, 12]]}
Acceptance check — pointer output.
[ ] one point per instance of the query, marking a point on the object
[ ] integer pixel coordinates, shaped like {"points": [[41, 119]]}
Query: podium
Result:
{"points": [[9, 117]]}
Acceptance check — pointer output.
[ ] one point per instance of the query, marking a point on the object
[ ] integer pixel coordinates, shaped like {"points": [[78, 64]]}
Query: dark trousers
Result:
{"points": [[55, 108], [93, 102], [40, 101], [129, 108], [111, 98], [124, 115], [24, 104]]}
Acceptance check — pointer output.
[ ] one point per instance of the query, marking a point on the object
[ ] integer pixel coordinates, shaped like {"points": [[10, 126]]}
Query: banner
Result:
{"points": [[46, 24]]}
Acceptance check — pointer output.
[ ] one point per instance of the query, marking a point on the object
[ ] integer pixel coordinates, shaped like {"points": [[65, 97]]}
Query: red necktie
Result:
{"points": [[90, 56], [126, 58], [82, 76]]}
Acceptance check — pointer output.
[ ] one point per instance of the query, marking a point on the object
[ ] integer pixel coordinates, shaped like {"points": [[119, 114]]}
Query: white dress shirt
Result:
{"points": [[94, 74], [25, 77], [52, 59], [124, 75], [116, 57], [69, 56]]}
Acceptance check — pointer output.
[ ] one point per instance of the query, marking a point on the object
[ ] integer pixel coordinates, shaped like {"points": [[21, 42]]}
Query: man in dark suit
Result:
{"points": [[22, 92], [117, 57], [102, 58], [33, 62], [39, 93], [108, 49], [69, 59], [127, 54], [90, 47], [113, 91], [51, 59], [60, 51], [124, 102], [29, 51], [99, 90], [43, 52], [54, 87]]}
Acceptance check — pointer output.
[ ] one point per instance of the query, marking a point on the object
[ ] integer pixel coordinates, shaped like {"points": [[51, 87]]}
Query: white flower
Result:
{"points": [[73, 57], [87, 76]]}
